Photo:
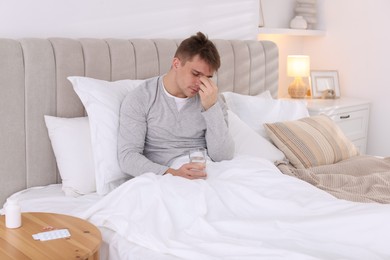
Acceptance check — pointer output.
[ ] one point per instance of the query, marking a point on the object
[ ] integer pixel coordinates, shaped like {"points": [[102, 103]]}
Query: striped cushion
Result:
{"points": [[311, 141]]}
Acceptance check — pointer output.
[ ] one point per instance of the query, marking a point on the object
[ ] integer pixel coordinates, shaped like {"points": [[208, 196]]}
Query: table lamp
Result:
{"points": [[298, 66]]}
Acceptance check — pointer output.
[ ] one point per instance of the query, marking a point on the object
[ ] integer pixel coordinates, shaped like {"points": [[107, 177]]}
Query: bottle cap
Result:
{"points": [[12, 201]]}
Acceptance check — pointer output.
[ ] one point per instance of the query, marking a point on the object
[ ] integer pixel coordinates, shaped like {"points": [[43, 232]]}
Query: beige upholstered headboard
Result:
{"points": [[33, 83]]}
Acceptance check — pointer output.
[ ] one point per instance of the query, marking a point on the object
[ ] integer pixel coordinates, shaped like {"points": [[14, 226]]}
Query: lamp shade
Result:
{"points": [[298, 66]]}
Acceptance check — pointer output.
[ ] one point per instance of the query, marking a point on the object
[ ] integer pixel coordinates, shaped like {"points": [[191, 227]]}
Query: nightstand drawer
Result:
{"points": [[351, 115], [353, 123]]}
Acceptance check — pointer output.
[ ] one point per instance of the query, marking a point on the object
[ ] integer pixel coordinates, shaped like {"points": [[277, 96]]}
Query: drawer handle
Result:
{"points": [[345, 117]]}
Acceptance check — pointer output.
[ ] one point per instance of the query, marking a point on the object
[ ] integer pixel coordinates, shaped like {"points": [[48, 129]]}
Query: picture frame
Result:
{"points": [[324, 84]]}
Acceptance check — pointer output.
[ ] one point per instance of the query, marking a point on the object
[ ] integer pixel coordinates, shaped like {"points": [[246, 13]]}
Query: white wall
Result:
{"points": [[228, 19], [357, 45], [277, 13]]}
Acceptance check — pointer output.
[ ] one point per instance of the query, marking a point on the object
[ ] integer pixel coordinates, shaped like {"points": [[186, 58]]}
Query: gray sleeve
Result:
{"points": [[131, 137], [220, 144]]}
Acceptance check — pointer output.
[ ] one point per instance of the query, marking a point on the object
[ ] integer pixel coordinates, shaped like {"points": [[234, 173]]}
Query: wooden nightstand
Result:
{"points": [[84, 242], [351, 115]]}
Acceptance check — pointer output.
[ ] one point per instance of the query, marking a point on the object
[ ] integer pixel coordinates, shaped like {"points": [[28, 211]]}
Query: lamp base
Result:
{"points": [[297, 88]]}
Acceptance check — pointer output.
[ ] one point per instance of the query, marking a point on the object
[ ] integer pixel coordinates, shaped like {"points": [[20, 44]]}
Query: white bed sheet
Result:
{"points": [[246, 209], [52, 199]]}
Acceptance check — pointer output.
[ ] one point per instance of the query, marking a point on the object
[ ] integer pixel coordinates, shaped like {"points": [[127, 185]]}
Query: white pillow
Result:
{"points": [[230, 96], [248, 142], [255, 111], [71, 142], [102, 100]]}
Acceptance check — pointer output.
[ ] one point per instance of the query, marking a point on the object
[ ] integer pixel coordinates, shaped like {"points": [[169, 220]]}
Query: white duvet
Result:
{"points": [[245, 209]]}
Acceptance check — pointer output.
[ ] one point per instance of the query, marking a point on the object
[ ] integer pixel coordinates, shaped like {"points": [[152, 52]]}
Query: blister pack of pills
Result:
{"points": [[53, 234]]}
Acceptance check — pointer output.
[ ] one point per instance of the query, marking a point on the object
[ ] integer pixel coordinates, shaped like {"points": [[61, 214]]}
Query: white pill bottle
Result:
{"points": [[13, 215]]}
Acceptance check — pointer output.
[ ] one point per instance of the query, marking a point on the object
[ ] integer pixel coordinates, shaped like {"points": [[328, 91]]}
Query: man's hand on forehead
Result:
{"points": [[208, 92]]}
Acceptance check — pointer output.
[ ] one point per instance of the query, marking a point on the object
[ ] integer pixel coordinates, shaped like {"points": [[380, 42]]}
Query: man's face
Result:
{"points": [[188, 75]]}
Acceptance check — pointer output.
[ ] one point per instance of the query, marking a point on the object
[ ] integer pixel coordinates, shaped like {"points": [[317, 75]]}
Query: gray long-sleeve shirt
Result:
{"points": [[152, 132]]}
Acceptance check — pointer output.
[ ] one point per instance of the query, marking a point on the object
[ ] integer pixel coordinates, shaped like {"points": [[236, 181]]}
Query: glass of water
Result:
{"points": [[198, 155]]}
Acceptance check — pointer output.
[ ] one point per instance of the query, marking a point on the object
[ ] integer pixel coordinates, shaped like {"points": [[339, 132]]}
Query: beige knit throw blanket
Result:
{"points": [[360, 178]]}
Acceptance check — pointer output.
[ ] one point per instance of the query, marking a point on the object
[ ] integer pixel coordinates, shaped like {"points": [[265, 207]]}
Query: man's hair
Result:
{"points": [[200, 45]]}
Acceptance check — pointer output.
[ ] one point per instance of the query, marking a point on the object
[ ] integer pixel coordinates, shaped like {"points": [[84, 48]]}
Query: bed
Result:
{"points": [[246, 209]]}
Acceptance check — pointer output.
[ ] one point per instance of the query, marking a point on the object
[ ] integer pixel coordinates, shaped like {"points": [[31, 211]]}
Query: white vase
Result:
{"points": [[298, 22]]}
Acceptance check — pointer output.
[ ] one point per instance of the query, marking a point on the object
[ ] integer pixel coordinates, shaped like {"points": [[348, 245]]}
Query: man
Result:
{"points": [[168, 115]]}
